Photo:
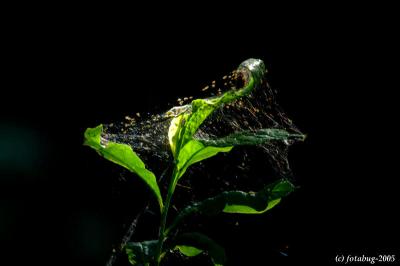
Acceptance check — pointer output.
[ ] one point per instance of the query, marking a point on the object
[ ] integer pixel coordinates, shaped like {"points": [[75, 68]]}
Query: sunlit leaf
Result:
{"points": [[239, 202], [123, 155], [195, 151], [200, 109], [189, 251], [260, 202], [175, 129], [183, 127]]}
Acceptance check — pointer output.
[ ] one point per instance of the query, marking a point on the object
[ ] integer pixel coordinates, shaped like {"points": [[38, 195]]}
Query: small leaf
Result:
{"points": [[195, 243], [194, 151], [141, 253], [174, 130], [238, 202], [189, 251], [123, 155]]}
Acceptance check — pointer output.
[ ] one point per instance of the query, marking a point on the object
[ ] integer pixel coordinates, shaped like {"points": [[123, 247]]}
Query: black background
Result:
{"points": [[335, 73]]}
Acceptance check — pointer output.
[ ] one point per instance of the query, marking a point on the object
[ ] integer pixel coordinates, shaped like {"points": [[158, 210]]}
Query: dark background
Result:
{"points": [[334, 70]]}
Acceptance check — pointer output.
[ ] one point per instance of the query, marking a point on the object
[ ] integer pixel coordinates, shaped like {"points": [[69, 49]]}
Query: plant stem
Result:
{"points": [[164, 215]]}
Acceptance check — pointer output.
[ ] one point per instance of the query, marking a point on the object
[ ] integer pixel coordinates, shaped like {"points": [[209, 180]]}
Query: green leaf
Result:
{"points": [[202, 108], [141, 253], [189, 251], [238, 202], [194, 151], [188, 119], [260, 202], [182, 130], [248, 137], [174, 130], [124, 156], [196, 243]]}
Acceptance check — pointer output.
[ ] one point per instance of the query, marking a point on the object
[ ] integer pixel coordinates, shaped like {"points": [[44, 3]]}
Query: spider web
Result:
{"points": [[246, 168]]}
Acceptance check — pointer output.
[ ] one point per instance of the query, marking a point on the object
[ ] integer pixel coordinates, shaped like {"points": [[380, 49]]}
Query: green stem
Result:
{"points": [[164, 215]]}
